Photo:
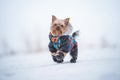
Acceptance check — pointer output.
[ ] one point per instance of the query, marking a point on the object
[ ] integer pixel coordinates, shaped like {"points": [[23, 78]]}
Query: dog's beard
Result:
{"points": [[57, 32]]}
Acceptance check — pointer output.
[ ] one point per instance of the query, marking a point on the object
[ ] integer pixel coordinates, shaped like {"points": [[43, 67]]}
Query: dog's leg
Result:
{"points": [[60, 56], [74, 54], [53, 56], [53, 51]]}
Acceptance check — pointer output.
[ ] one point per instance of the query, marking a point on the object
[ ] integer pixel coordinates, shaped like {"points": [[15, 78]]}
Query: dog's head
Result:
{"points": [[58, 26]]}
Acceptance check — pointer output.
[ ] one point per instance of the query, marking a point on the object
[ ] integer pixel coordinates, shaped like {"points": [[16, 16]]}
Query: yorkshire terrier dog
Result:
{"points": [[61, 42]]}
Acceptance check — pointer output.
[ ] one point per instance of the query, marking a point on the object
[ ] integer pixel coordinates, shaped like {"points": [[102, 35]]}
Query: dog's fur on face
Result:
{"points": [[58, 26]]}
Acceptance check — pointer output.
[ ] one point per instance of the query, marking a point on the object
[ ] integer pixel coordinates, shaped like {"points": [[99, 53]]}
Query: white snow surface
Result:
{"points": [[95, 64]]}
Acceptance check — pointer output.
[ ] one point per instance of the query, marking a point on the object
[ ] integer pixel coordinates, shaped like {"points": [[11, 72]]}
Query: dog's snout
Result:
{"points": [[58, 28]]}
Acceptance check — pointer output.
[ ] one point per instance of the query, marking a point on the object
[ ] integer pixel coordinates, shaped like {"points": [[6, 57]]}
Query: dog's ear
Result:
{"points": [[53, 18], [66, 21]]}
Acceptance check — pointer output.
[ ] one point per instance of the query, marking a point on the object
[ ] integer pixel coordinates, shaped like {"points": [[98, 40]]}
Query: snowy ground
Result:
{"points": [[102, 64]]}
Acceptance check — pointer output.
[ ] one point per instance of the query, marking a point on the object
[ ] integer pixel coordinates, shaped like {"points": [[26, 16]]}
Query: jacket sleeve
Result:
{"points": [[51, 47]]}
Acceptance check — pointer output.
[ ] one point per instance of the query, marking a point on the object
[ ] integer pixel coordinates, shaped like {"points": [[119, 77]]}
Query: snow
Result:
{"points": [[92, 64]]}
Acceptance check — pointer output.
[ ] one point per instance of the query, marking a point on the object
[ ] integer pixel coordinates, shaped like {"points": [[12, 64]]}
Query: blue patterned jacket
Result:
{"points": [[63, 43]]}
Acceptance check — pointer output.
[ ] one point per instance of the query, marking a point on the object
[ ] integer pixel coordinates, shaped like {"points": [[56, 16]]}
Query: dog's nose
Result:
{"points": [[57, 28]]}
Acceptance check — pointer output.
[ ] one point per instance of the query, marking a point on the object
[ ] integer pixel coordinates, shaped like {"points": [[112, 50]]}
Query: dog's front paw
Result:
{"points": [[73, 60], [59, 61], [54, 59]]}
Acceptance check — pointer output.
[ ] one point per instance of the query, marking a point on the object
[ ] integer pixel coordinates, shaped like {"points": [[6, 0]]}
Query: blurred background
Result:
{"points": [[24, 24]]}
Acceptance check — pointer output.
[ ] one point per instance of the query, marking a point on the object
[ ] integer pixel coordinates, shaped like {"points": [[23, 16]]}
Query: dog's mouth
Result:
{"points": [[57, 32]]}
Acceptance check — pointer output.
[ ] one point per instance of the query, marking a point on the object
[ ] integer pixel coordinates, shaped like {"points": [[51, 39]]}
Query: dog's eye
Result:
{"points": [[55, 24]]}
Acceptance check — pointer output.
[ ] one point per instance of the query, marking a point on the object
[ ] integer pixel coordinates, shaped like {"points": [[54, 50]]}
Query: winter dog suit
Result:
{"points": [[64, 43]]}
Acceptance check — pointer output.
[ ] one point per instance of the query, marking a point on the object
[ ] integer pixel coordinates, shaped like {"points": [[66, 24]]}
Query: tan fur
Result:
{"points": [[64, 54], [55, 54], [61, 23]]}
